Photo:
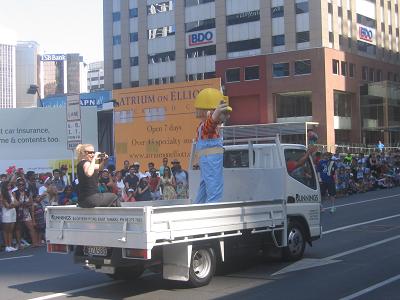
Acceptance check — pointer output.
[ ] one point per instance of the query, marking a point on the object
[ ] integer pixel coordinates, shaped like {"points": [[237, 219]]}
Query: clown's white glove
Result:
{"points": [[221, 113]]}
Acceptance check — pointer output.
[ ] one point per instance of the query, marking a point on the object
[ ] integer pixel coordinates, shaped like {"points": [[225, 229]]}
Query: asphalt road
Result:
{"points": [[357, 258]]}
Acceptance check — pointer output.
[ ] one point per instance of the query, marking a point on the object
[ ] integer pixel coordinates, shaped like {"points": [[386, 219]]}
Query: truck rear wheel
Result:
{"points": [[296, 242], [202, 266], [127, 273]]}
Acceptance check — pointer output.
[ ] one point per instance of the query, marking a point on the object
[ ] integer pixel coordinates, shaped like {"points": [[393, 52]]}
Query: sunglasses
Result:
{"points": [[89, 152]]}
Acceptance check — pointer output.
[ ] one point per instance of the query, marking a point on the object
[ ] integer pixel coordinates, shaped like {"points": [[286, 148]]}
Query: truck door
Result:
{"points": [[303, 194]]}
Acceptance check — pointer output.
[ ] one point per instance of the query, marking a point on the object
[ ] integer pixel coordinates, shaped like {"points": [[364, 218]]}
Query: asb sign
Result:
{"points": [[53, 57], [366, 34], [200, 38]]}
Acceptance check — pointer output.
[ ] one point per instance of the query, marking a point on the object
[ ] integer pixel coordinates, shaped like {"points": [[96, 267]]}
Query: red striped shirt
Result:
{"points": [[209, 129]]}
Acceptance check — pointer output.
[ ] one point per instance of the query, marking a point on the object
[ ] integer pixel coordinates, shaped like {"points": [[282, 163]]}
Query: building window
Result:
{"points": [[161, 32], [201, 51], [133, 37], [277, 12], [302, 37], [232, 75], [200, 25], [133, 13], [371, 74], [340, 41], [135, 83], [243, 45], [330, 37], [243, 17], [340, 11], [280, 70], [335, 66], [252, 73], [116, 16], [116, 40], [289, 106], [330, 9], [117, 86], [278, 40], [134, 61], [189, 3], [302, 7], [172, 79], [161, 57], [351, 70], [208, 75], [364, 73], [342, 104], [378, 75], [389, 76], [343, 67], [161, 7], [366, 21], [302, 67], [116, 63]]}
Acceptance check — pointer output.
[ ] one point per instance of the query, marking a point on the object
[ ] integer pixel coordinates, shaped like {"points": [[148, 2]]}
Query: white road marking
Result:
{"points": [[363, 247], [359, 224], [371, 288], [15, 257], [308, 263], [70, 292], [363, 201]]}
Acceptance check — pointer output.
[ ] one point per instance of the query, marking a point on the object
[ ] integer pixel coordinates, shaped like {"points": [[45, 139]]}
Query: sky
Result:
{"points": [[58, 26]]}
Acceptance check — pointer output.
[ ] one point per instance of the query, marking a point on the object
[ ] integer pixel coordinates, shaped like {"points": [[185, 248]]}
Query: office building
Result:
{"points": [[335, 62], [8, 42], [63, 73], [95, 77], [27, 73]]}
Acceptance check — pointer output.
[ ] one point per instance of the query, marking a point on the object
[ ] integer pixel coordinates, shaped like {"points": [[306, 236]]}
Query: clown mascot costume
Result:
{"points": [[213, 109]]}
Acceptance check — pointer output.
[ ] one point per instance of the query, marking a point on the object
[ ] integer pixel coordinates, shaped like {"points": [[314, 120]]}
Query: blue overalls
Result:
{"points": [[211, 170]]}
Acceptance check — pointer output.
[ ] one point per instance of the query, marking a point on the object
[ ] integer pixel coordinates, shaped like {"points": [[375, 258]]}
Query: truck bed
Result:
{"points": [[143, 225]]}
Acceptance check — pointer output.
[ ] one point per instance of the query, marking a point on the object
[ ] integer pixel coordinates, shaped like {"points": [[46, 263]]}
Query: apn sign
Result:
{"points": [[200, 38], [53, 57], [366, 34]]}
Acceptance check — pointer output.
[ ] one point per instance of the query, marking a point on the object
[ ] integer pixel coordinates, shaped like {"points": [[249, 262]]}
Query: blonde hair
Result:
{"points": [[80, 150]]}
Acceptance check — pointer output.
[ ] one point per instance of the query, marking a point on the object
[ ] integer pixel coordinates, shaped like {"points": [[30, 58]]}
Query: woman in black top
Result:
{"points": [[88, 170]]}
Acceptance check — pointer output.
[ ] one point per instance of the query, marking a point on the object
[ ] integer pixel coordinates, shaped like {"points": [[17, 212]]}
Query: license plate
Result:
{"points": [[94, 250]]}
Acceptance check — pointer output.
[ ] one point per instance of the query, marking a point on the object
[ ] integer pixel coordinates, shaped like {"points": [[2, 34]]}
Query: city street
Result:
{"points": [[357, 258]]}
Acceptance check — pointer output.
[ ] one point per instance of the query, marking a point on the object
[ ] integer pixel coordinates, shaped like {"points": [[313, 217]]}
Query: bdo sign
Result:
{"points": [[201, 38], [366, 34]]}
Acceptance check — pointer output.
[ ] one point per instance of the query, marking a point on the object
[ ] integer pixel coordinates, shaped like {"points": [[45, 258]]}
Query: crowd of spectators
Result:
{"points": [[359, 173], [24, 196]]}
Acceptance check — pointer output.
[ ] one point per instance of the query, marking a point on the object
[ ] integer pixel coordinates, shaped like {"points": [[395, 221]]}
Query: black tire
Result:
{"points": [[202, 266], [127, 273], [296, 242]]}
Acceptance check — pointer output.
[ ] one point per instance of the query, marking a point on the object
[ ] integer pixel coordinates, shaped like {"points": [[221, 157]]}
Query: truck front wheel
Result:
{"points": [[202, 266], [127, 273], [296, 242]]}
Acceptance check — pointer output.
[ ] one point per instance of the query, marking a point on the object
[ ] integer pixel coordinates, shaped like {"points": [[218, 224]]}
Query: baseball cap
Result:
{"points": [[175, 161], [130, 190], [136, 163]]}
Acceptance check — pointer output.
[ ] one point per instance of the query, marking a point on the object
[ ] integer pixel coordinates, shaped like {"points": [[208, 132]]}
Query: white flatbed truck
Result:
{"points": [[263, 206]]}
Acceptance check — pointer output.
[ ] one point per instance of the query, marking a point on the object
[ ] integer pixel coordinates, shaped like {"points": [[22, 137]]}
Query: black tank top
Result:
{"points": [[87, 185]]}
